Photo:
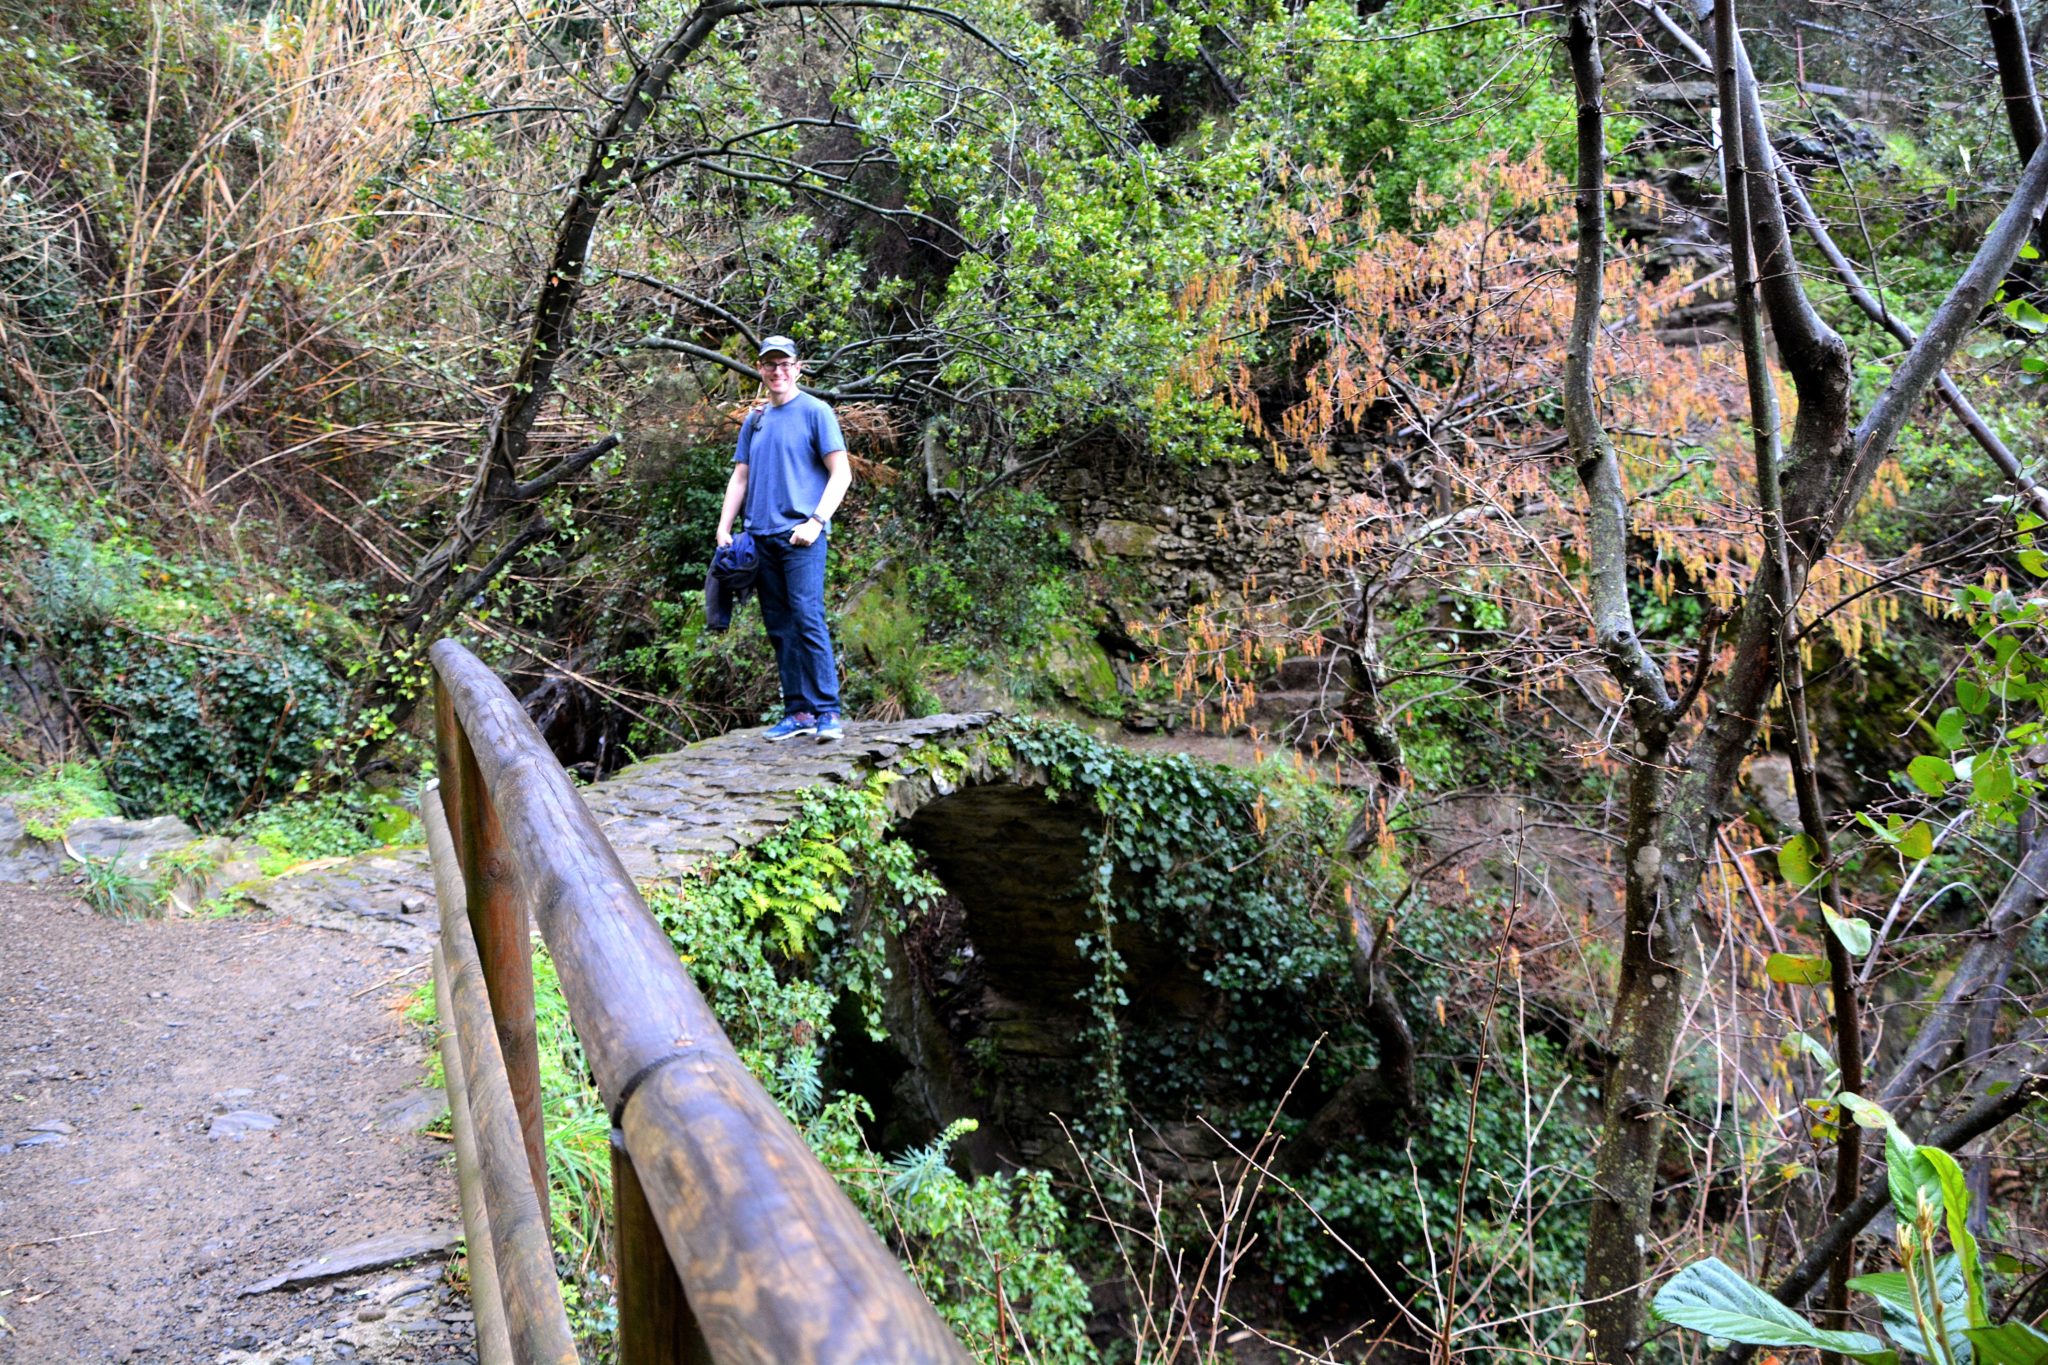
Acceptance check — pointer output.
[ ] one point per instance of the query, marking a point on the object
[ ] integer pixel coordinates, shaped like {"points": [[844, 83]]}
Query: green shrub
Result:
{"points": [[330, 825], [206, 695], [211, 725], [1398, 1205], [47, 802], [113, 890]]}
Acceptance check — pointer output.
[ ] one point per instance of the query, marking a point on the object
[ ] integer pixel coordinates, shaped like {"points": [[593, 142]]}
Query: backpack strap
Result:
{"points": [[747, 427]]}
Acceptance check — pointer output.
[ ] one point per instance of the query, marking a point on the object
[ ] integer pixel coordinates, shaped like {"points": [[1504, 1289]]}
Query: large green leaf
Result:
{"points": [[2009, 1343], [1931, 774], [1709, 1296], [1955, 1211], [1894, 1293], [1796, 969], [1867, 1113], [1990, 781], [1948, 728], [1971, 696], [1913, 1179], [1795, 860], [1853, 934]]}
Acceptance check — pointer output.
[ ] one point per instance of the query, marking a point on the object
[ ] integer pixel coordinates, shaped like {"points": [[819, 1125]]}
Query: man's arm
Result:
{"points": [[839, 467], [735, 498], [838, 478]]}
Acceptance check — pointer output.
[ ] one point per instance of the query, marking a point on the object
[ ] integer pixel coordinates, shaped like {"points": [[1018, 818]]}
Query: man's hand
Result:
{"points": [[807, 532], [723, 538]]}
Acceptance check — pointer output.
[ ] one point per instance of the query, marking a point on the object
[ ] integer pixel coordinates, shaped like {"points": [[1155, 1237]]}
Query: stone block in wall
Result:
{"points": [[1127, 539]]}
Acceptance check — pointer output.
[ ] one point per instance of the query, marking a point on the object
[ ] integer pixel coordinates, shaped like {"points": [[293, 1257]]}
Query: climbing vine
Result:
{"points": [[1238, 870]]}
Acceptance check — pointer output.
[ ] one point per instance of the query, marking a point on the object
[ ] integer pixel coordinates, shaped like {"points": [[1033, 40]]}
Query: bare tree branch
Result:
{"points": [[1957, 315], [1593, 452]]}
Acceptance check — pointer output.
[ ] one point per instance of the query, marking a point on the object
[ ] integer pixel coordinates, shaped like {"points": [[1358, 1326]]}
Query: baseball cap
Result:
{"points": [[770, 345]]}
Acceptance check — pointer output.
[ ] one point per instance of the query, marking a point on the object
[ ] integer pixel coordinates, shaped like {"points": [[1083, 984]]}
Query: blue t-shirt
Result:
{"points": [[784, 449]]}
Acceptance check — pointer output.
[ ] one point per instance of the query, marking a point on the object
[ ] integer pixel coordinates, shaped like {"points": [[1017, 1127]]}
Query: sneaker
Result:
{"points": [[790, 726], [828, 728]]}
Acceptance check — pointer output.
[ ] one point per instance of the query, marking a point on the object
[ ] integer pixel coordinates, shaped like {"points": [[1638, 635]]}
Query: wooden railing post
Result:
{"points": [[497, 917], [656, 1326]]}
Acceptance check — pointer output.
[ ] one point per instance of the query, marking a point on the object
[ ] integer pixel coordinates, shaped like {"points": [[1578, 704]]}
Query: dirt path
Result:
{"points": [[188, 1107]]}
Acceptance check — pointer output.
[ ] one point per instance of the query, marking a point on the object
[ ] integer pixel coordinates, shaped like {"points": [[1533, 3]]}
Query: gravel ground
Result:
{"points": [[188, 1107]]}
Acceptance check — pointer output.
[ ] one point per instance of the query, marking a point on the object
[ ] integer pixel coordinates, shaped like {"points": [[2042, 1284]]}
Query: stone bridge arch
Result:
{"points": [[984, 1016]]}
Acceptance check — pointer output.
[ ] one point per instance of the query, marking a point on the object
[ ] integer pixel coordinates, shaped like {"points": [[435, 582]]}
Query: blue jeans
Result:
{"points": [[791, 585]]}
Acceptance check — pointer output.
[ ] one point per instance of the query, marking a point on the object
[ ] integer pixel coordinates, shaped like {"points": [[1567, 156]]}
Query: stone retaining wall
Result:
{"points": [[1185, 535]]}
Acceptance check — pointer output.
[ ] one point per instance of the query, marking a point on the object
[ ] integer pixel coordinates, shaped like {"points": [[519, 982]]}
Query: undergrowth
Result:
{"points": [[47, 801], [328, 825], [775, 936]]}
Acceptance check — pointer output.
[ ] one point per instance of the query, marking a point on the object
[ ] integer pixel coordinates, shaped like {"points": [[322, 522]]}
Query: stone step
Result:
{"points": [[1309, 671], [1274, 709]]}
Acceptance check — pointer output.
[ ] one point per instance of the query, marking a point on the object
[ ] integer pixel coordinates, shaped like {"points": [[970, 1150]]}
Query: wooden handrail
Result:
{"points": [[508, 1237], [775, 1263]]}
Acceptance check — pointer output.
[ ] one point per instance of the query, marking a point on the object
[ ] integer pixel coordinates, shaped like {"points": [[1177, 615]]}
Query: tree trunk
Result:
{"points": [[1668, 846]]}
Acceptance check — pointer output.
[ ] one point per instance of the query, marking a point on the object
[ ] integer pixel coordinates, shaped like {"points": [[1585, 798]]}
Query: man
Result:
{"points": [[789, 474]]}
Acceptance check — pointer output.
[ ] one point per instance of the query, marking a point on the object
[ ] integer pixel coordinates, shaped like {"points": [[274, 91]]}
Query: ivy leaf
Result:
{"points": [[2034, 562], [1852, 933], [1948, 728], [1916, 842], [1930, 774], [1796, 969], [1710, 1297], [1795, 860], [1971, 697]]}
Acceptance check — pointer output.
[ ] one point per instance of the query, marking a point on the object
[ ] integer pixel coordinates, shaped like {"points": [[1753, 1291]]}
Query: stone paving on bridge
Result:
{"points": [[664, 816]]}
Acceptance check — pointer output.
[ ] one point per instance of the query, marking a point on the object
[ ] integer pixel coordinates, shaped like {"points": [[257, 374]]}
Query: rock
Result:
{"points": [[134, 842], [241, 1123], [23, 857], [369, 1312], [52, 1126], [211, 866], [1127, 539], [1768, 780], [412, 1111], [374, 893], [374, 1254], [228, 1097], [399, 1288], [1078, 668], [42, 1140]]}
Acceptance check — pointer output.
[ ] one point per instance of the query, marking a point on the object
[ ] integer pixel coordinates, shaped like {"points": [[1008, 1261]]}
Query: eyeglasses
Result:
{"points": [[778, 364]]}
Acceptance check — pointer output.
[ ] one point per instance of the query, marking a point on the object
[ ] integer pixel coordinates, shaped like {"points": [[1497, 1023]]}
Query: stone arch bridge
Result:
{"points": [[983, 1014]]}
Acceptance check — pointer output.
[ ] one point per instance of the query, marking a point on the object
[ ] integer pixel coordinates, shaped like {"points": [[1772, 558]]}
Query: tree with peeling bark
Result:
{"points": [[1681, 774]]}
